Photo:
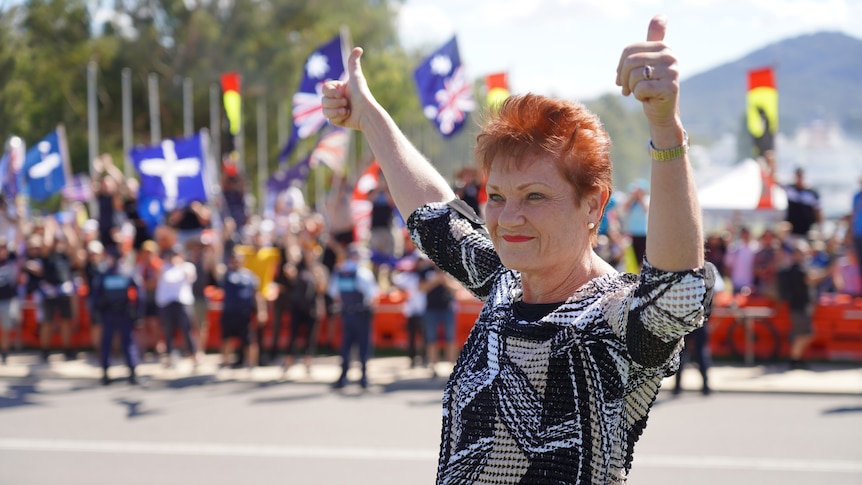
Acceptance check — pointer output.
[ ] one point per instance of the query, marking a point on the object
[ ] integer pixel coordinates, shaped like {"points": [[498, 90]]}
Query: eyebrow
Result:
{"points": [[521, 186]]}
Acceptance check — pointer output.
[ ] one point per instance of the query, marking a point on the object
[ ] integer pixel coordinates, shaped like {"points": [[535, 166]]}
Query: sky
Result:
{"points": [[570, 48]]}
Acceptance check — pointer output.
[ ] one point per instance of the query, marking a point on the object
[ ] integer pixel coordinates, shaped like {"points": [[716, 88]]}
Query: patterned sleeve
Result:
{"points": [[458, 244], [663, 308]]}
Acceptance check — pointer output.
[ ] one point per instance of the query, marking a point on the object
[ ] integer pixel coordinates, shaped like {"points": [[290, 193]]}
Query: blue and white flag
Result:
{"points": [[445, 93], [172, 172], [44, 169], [326, 63]]}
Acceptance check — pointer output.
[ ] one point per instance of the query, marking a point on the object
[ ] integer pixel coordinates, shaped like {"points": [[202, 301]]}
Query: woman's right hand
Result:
{"points": [[345, 103]]}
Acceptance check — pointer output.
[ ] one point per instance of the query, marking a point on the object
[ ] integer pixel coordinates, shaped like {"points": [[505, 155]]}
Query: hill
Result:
{"points": [[819, 76]]}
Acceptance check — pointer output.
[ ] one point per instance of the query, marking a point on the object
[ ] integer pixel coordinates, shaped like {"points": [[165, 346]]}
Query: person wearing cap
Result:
{"points": [[116, 294], [10, 311], [243, 308], [354, 287]]}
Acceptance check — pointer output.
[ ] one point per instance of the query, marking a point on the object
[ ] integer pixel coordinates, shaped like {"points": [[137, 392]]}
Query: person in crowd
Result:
{"points": [[133, 217], [149, 267], [797, 287], [309, 283], [846, 274], [175, 299], [468, 188], [339, 218], [524, 404], [233, 193], [634, 213], [116, 294], [856, 225], [202, 253], [244, 308], [382, 240], [108, 185], [739, 261], [697, 349], [261, 258], [10, 310], [407, 278], [439, 289], [803, 206], [765, 264], [56, 285], [189, 220], [355, 288]]}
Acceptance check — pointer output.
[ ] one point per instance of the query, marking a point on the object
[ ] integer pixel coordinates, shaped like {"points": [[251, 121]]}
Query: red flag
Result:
{"points": [[497, 85]]}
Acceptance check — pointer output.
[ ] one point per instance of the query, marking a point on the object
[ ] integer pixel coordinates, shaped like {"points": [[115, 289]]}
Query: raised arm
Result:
{"points": [[413, 181], [648, 70]]}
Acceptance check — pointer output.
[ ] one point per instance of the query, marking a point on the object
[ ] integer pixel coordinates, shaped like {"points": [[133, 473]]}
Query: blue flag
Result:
{"points": [[172, 173], [284, 178], [44, 169], [324, 64], [445, 93]]}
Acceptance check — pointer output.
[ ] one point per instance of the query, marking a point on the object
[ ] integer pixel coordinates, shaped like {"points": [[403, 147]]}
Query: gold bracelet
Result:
{"points": [[670, 153]]}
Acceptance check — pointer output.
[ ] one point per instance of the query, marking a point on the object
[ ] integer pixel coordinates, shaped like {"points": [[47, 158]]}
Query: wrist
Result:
{"points": [[672, 152]]}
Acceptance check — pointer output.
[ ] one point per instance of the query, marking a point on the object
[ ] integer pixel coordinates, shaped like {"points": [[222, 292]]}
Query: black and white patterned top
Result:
{"points": [[564, 399]]}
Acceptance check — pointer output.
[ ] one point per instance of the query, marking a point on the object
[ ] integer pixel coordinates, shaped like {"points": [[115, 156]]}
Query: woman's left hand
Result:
{"points": [[649, 71]]}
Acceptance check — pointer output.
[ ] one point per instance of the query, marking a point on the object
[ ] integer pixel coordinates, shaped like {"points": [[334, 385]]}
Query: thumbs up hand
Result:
{"points": [[346, 102], [648, 70]]}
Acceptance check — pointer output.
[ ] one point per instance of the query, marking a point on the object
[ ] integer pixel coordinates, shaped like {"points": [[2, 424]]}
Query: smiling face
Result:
{"points": [[534, 218]]}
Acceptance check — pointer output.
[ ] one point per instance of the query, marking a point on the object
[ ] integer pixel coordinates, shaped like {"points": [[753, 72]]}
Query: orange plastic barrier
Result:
{"points": [[837, 324]]}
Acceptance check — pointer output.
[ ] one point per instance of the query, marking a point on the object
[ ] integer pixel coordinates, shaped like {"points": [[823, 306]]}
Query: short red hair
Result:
{"points": [[566, 131]]}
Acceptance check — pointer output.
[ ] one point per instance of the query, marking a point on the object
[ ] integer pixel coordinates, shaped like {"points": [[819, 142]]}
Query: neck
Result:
{"points": [[558, 284]]}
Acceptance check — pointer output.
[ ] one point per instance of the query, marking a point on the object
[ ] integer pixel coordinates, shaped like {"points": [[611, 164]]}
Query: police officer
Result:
{"points": [[243, 306], [115, 298], [353, 285]]}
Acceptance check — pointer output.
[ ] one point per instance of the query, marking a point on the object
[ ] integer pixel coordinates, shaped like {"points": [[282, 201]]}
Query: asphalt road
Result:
{"points": [[197, 430]]}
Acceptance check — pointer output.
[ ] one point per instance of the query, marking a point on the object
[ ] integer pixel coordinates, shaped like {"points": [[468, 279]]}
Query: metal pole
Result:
{"points": [[155, 115], [188, 108], [261, 153], [92, 115], [215, 121], [127, 119]]}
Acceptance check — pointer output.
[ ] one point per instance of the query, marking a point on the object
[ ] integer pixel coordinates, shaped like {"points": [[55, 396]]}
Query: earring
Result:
{"points": [[591, 225]]}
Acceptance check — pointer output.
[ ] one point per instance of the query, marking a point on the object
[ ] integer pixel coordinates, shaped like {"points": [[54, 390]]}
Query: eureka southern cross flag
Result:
{"points": [[172, 174], [44, 169], [445, 93]]}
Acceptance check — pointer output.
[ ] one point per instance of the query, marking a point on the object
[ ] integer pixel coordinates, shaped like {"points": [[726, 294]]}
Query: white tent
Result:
{"points": [[735, 196]]}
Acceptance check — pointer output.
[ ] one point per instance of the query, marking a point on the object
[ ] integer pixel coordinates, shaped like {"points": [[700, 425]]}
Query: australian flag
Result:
{"points": [[44, 169], [172, 175], [324, 64], [445, 92]]}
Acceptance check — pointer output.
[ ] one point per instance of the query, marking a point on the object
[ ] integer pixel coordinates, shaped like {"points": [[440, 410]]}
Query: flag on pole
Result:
{"points": [[324, 64], [331, 150], [172, 174], [284, 178], [45, 166], [232, 100], [762, 110], [10, 167], [444, 90], [79, 189], [497, 86]]}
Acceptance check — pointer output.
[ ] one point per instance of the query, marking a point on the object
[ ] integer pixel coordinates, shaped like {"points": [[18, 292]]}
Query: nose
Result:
{"points": [[510, 215]]}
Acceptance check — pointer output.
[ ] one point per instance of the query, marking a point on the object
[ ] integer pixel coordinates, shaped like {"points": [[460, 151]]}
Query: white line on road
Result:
{"points": [[400, 454]]}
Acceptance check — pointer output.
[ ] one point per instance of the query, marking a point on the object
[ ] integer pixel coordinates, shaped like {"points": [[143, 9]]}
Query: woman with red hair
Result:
{"points": [[567, 355]]}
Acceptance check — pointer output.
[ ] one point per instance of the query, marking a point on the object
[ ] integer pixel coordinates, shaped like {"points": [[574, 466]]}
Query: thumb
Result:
{"points": [[657, 28], [354, 67]]}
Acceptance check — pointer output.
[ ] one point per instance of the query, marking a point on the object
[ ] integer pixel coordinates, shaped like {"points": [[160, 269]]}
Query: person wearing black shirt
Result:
{"points": [[9, 310], [803, 206]]}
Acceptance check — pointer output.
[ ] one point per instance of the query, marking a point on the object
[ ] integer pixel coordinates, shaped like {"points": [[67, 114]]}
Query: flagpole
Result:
{"points": [[155, 116], [215, 121], [261, 152], [126, 80], [188, 110], [92, 117], [282, 125]]}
